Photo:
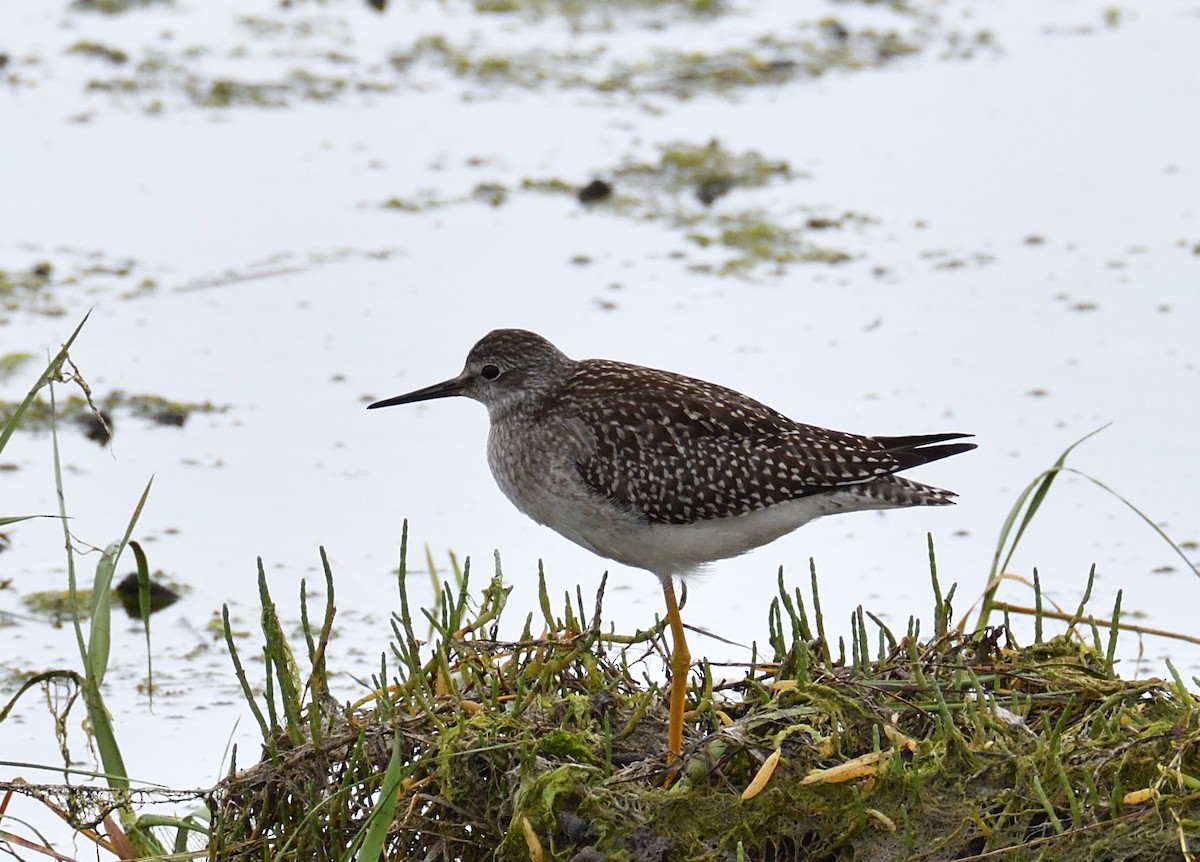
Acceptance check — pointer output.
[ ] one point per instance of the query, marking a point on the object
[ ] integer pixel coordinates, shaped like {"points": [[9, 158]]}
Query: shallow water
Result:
{"points": [[1025, 265]]}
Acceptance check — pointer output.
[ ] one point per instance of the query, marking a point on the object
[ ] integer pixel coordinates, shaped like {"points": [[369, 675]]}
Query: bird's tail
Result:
{"points": [[918, 449]]}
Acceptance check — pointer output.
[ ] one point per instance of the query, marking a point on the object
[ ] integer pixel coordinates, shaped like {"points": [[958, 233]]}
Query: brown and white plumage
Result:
{"points": [[665, 472]]}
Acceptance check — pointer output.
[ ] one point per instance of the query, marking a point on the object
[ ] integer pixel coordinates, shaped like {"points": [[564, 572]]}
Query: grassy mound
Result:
{"points": [[959, 746]]}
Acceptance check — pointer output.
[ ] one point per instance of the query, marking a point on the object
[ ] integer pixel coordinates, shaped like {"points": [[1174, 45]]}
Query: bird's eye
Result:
{"points": [[489, 372]]}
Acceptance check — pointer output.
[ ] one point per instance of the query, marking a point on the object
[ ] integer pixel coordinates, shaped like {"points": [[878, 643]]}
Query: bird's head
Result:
{"points": [[505, 368]]}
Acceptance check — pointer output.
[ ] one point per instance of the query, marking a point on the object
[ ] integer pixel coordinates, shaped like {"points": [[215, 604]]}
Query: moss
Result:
{"points": [[757, 240], [401, 204], [36, 289], [580, 11], [497, 7], [56, 605], [29, 290], [114, 85], [154, 408], [492, 194], [115, 7], [102, 52], [683, 166], [819, 254], [226, 92], [692, 187], [262, 28], [553, 185]]}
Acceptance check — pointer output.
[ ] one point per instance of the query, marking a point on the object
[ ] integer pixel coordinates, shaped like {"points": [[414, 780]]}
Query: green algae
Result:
{"points": [[29, 290], [36, 289], [57, 606], [696, 189], [96, 417], [403, 205], [755, 240], [100, 51], [683, 167], [579, 10], [115, 7], [316, 60], [812, 50]]}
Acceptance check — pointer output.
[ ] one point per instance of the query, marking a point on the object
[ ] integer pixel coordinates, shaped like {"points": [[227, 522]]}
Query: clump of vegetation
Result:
{"points": [[36, 289], [708, 171], [115, 7], [301, 84], [102, 52], [891, 746], [687, 186], [806, 51], [29, 289], [754, 240], [63, 605], [96, 416], [577, 10]]}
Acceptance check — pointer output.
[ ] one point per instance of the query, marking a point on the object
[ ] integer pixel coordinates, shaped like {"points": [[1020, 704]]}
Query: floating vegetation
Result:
{"points": [[755, 240], [29, 290], [299, 53], [299, 84], [808, 50], [115, 7], [59, 605], [693, 188], [36, 288], [707, 171], [407, 205], [94, 416], [583, 12], [102, 52], [158, 77]]}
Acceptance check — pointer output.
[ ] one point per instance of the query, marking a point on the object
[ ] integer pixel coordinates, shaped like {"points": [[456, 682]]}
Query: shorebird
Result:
{"points": [[668, 473]]}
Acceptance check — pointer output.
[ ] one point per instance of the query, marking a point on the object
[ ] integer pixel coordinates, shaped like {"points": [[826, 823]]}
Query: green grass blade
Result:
{"points": [[279, 657], [1041, 492], [1024, 510], [4, 522], [240, 673], [100, 632], [49, 374], [72, 584], [100, 635], [380, 820], [143, 576], [106, 739]]}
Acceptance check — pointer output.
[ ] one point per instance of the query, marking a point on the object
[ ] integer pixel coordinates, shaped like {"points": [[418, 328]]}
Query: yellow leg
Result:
{"points": [[681, 661]]}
